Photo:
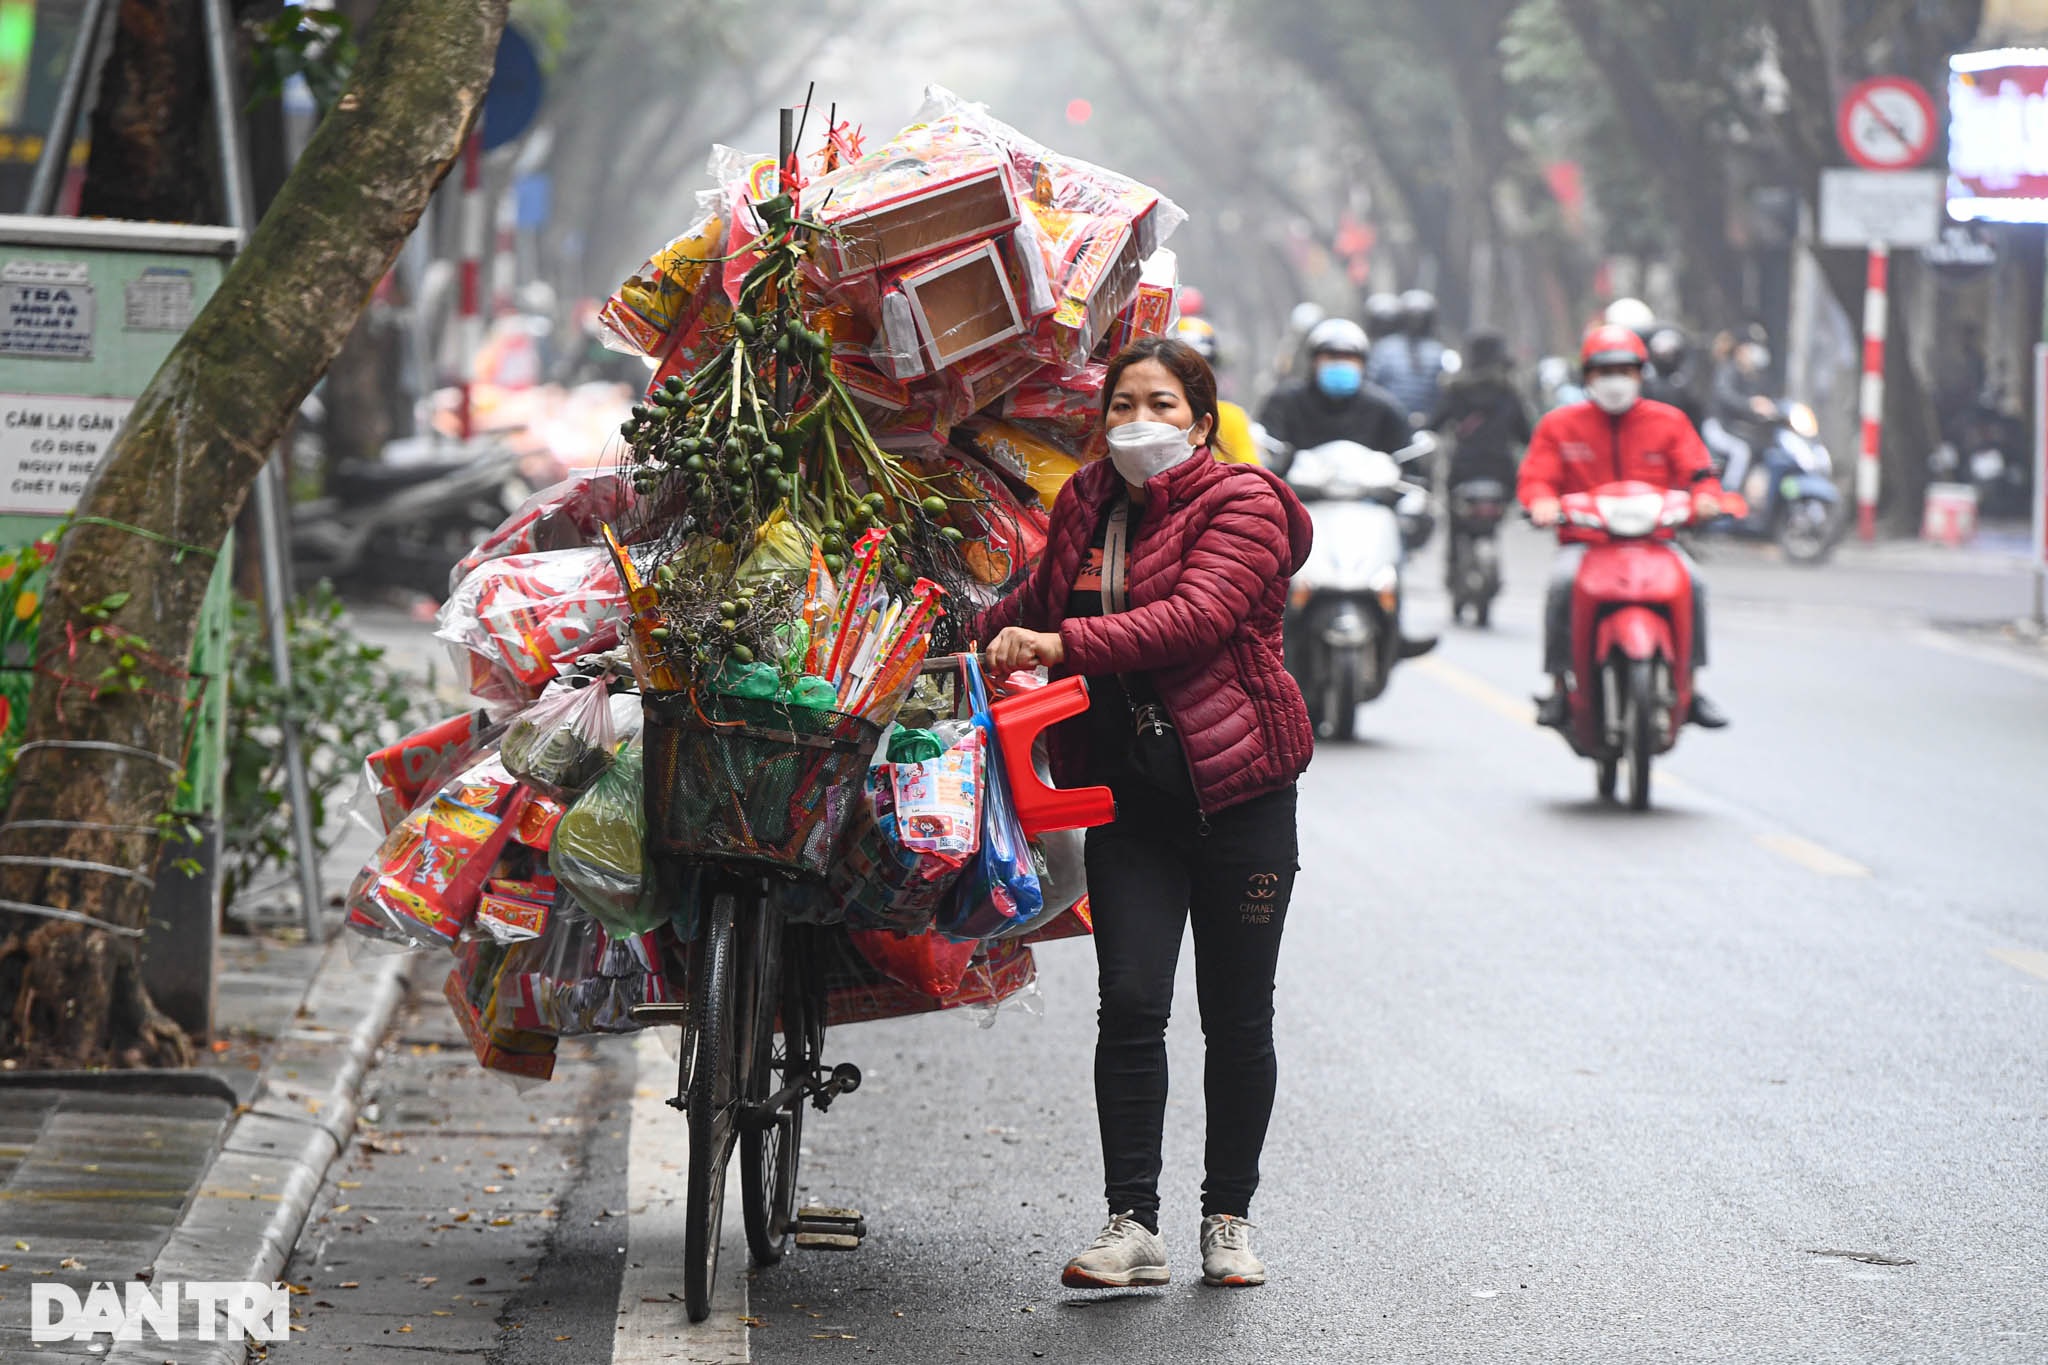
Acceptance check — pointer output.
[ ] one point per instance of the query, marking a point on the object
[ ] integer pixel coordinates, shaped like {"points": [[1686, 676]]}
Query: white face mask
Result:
{"points": [[1140, 450], [1615, 394]]}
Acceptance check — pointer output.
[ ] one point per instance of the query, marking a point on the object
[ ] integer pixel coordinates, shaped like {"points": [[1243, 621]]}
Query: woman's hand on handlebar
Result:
{"points": [[1016, 648], [1543, 512]]}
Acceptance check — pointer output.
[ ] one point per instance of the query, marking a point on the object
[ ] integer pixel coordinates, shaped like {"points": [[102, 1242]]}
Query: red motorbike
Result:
{"points": [[1630, 687]]}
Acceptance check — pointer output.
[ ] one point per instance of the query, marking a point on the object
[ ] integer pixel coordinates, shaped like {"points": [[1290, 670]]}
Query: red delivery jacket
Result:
{"points": [[1578, 447], [1210, 560]]}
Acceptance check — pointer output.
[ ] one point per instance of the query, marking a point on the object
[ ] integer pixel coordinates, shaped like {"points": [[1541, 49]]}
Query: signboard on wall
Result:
{"points": [[1864, 208], [1998, 135]]}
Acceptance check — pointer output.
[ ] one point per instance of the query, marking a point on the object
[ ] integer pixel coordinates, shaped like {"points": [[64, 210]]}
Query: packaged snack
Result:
{"points": [[880, 883], [1000, 888], [424, 883], [514, 1052], [974, 384], [512, 911], [563, 742], [938, 801], [537, 822], [522, 617]]}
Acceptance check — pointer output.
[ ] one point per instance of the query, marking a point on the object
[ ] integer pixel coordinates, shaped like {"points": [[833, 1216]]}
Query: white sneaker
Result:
{"points": [[1227, 1252], [1123, 1254]]}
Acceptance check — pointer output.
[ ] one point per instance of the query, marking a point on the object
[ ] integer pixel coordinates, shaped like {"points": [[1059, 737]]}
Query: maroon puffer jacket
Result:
{"points": [[1210, 560]]}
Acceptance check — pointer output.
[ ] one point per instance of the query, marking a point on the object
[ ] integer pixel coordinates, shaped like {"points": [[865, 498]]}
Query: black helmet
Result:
{"points": [[1486, 351], [1669, 348], [1382, 315], [1418, 312]]}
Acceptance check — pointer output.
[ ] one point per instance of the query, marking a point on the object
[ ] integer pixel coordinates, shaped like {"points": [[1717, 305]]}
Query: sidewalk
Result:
{"points": [[199, 1175]]}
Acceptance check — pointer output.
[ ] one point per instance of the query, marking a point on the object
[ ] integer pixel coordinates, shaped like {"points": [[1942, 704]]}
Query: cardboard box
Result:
{"points": [[888, 209], [1156, 309], [962, 304]]}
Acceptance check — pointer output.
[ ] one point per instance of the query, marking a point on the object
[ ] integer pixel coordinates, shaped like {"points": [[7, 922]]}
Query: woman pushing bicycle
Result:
{"points": [[1163, 582]]}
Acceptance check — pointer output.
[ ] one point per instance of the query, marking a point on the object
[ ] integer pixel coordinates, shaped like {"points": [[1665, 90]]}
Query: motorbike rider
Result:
{"points": [[1740, 398], [1233, 442], [1333, 402], [1615, 434], [1668, 380], [1410, 363], [1382, 317], [1484, 410]]}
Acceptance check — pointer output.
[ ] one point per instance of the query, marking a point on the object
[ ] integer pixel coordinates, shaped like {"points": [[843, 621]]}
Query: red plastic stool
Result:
{"points": [[1018, 722]]}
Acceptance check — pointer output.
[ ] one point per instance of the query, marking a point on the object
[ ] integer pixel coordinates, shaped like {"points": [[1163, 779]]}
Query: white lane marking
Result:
{"points": [[1804, 852], [2026, 959], [2003, 657], [654, 1327], [1812, 856]]}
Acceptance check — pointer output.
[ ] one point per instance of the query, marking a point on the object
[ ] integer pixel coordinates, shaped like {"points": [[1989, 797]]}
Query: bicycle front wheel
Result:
{"points": [[780, 1055], [710, 1102]]}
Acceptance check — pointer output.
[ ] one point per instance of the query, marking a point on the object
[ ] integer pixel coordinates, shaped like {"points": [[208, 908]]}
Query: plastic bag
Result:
{"points": [[561, 516], [599, 850], [523, 617], [563, 742], [938, 801], [882, 884], [400, 775], [423, 885], [930, 964], [856, 990], [643, 313], [999, 889]]}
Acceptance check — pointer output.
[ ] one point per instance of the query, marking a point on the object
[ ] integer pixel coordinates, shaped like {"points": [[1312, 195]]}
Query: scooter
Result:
{"points": [[405, 523], [1630, 685], [1343, 628], [1473, 575], [1786, 477]]}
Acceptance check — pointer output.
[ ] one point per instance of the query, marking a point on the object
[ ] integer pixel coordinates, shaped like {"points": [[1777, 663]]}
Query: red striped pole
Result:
{"points": [[505, 259], [1872, 398], [470, 328]]}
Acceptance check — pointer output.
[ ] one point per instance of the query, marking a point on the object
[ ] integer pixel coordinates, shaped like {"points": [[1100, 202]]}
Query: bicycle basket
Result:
{"points": [[736, 780]]}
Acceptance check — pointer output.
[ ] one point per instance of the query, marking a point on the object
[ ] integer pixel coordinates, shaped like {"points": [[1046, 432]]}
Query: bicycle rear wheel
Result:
{"points": [[788, 1038], [710, 1100]]}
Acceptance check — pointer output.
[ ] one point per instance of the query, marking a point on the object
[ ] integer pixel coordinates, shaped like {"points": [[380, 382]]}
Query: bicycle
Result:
{"points": [[754, 1023]]}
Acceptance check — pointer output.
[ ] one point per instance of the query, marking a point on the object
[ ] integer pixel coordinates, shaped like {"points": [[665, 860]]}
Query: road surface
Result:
{"points": [[1754, 1077]]}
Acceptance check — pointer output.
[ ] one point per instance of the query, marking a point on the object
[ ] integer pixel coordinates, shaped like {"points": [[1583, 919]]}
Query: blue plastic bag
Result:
{"points": [[999, 889]]}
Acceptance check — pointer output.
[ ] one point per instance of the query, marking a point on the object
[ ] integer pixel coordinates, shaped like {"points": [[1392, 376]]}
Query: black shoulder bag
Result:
{"points": [[1155, 754]]}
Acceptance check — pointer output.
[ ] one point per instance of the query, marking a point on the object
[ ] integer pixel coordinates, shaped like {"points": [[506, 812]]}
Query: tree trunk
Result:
{"points": [[1686, 170], [105, 734], [149, 132]]}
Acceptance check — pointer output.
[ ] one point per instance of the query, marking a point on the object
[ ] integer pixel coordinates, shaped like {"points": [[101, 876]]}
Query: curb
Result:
{"points": [[245, 1217]]}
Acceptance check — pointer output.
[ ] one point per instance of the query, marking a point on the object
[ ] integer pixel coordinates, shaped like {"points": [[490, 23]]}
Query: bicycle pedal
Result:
{"points": [[831, 1229]]}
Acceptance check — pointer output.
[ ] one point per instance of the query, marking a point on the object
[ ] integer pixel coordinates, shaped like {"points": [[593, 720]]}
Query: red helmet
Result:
{"points": [[1612, 344]]}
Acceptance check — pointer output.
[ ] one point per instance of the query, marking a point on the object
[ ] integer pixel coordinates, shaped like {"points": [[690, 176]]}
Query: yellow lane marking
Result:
{"points": [[1804, 852], [1812, 856], [2026, 959], [1521, 711], [69, 1195]]}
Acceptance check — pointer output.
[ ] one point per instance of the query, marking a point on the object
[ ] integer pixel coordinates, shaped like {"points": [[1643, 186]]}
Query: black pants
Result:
{"points": [[1557, 610], [1149, 874]]}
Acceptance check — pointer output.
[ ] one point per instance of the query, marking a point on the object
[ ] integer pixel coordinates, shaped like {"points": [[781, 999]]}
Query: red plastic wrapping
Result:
{"points": [[929, 964], [424, 883], [561, 516], [522, 617], [856, 992]]}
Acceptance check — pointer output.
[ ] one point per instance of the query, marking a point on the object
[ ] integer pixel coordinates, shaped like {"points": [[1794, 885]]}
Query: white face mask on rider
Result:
{"points": [[1614, 394], [1140, 450]]}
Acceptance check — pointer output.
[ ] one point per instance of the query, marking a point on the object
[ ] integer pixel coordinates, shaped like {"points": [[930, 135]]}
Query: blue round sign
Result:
{"points": [[516, 90]]}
